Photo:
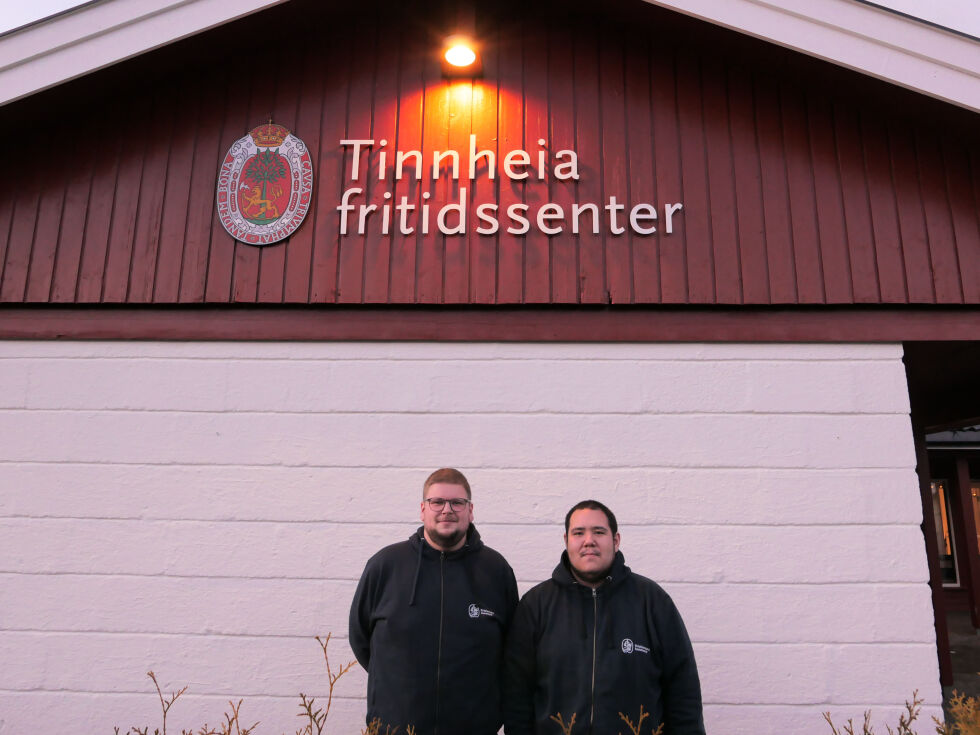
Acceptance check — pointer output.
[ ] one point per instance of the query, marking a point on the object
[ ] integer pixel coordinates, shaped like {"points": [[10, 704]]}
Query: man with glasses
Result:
{"points": [[429, 617], [596, 643]]}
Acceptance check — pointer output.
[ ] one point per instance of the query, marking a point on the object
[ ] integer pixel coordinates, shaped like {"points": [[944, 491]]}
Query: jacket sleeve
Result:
{"points": [[681, 687], [520, 673], [512, 596], [361, 612]]}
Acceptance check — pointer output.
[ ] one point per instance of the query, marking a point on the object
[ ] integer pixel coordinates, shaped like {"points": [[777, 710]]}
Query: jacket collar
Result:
{"points": [[418, 542], [562, 574], [473, 542]]}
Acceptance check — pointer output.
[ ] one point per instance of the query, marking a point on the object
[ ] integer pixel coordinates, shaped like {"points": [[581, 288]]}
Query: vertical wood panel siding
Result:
{"points": [[801, 183]]}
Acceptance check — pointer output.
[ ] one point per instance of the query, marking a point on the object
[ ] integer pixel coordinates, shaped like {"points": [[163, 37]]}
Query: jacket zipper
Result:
{"points": [[595, 635], [442, 586]]}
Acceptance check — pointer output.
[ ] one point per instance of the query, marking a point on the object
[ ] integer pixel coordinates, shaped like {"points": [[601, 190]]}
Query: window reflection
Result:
{"points": [[944, 530], [975, 492]]}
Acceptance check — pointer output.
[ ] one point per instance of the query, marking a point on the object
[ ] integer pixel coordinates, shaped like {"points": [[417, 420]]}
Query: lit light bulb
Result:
{"points": [[460, 54]]}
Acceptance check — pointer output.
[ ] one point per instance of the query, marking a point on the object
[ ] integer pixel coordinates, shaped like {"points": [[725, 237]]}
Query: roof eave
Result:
{"points": [[97, 35], [862, 37], [882, 44]]}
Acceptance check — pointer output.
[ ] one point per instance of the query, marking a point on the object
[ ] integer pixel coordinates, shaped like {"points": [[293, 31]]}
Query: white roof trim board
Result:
{"points": [[862, 37], [100, 34]]}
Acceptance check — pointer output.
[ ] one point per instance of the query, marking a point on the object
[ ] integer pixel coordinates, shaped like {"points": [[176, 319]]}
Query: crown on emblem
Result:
{"points": [[269, 135]]}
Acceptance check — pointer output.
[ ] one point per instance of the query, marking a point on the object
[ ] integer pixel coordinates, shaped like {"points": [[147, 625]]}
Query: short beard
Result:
{"points": [[591, 577], [447, 541]]}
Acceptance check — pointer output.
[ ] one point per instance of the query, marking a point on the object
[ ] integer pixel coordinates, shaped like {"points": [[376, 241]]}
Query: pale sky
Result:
{"points": [[17, 13], [960, 15]]}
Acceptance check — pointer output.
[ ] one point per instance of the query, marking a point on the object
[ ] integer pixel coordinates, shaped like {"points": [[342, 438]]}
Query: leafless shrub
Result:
{"points": [[635, 729], [316, 717], [375, 725], [566, 729], [965, 712]]}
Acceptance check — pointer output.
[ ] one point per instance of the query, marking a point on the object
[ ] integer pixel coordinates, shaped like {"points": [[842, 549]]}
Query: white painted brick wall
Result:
{"points": [[204, 509]]}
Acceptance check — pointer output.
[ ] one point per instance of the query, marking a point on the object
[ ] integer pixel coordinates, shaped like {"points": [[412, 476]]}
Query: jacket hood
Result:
{"points": [[417, 539], [618, 572], [473, 542]]}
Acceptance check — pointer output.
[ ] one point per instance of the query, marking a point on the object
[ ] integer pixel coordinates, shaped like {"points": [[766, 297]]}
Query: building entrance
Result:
{"points": [[944, 391]]}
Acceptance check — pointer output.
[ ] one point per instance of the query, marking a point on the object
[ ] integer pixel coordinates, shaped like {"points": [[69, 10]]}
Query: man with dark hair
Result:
{"points": [[596, 642], [429, 617], [592, 505]]}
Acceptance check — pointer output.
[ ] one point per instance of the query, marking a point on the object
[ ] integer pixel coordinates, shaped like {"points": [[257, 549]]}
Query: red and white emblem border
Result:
{"points": [[230, 173]]}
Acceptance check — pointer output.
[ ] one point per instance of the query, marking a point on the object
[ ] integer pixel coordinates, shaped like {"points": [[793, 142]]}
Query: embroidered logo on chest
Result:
{"points": [[629, 647]]}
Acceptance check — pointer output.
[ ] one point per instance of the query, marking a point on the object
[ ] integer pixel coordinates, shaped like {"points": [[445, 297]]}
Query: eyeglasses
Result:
{"points": [[437, 504]]}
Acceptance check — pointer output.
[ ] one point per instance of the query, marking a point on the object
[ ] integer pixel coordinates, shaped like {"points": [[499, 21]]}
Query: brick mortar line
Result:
{"points": [[672, 582], [543, 525]]}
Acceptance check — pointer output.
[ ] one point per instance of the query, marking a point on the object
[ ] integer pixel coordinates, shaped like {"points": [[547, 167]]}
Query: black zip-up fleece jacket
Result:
{"points": [[594, 654], [429, 628]]}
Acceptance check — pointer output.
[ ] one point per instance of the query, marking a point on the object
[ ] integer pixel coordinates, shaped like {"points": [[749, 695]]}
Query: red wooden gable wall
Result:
{"points": [[801, 183]]}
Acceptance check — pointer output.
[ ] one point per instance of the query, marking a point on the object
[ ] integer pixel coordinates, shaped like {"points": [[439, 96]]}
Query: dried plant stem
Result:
{"points": [[905, 721], [635, 729], [316, 718], [165, 704], [332, 678], [232, 719], [374, 728], [566, 729]]}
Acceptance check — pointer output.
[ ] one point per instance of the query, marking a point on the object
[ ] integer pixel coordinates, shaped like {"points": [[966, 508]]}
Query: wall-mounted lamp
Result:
{"points": [[461, 57]]}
